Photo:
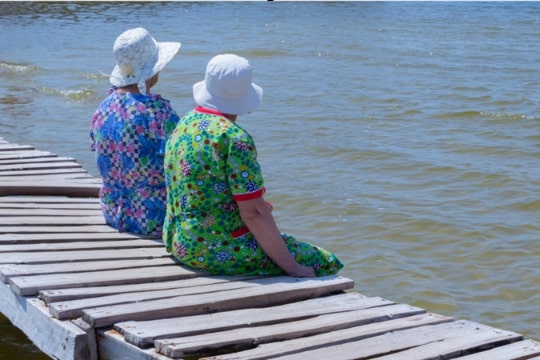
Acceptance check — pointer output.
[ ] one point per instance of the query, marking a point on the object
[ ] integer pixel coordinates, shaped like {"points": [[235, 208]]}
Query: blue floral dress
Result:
{"points": [[210, 165], [128, 133]]}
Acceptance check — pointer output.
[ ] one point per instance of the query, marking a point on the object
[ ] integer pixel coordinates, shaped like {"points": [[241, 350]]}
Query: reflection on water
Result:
{"points": [[402, 136], [15, 345]]}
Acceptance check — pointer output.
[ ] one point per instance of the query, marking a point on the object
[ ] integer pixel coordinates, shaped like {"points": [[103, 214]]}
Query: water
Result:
{"points": [[404, 136]]}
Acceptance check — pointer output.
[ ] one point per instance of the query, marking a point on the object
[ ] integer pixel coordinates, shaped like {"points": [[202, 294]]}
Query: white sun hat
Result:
{"points": [[227, 86], [139, 57]]}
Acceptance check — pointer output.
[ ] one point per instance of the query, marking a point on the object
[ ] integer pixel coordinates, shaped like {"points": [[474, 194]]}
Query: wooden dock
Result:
{"points": [[80, 290]]}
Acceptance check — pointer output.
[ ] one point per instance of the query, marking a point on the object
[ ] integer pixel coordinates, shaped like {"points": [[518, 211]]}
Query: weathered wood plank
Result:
{"points": [[32, 238], [58, 295], [436, 340], [31, 285], [23, 162], [247, 336], [42, 172], [46, 199], [74, 308], [43, 229], [49, 179], [10, 270], [27, 206], [90, 337], [15, 147], [144, 333], [46, 165], [66, 256], [78, 176], [81, 245], [335, 337], [59, 188], [29, 220], [58, 339], [111, 346], [518, 350], [468, 340], [25, 154], [277, 290], [49, 212]]}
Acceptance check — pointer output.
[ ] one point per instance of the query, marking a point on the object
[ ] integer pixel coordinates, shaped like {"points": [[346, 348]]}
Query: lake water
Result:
{"points": [[403, 136]]}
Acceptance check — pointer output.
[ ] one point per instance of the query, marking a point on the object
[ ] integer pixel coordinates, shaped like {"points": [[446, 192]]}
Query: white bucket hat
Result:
{"points": [[227, 86], [139, 57]]}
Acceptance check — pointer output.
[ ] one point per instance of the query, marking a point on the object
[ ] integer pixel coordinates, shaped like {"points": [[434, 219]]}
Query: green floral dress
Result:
{"points": [[210, 165]]}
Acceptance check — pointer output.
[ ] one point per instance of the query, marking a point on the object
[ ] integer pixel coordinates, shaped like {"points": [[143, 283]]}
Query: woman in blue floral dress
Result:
{"points": [[129, 131], [217, 219]]}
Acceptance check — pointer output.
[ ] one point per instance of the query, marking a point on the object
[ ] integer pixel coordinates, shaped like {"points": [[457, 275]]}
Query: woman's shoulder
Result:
{"points": [[157, 97]]}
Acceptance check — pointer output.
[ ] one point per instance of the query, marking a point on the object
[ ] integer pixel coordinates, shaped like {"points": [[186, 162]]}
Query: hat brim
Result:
{"points": [[236, 106], [166, 51]]}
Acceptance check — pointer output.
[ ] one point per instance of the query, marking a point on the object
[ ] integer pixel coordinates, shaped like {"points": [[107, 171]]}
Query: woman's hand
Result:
{"points": [[302, 271], [258, 217]]}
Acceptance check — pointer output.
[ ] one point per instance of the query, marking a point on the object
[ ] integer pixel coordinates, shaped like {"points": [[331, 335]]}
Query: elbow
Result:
{"points": [[250, 216]]}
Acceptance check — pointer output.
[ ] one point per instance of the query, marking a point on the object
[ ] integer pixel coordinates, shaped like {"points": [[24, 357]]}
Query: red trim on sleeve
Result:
{"points": [[242, 231], [249, 196], [208, 111]]}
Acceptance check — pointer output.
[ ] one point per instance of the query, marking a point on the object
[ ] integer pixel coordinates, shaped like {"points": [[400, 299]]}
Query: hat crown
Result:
{"points": [[227, 86], [229, 76], [135, 51]]}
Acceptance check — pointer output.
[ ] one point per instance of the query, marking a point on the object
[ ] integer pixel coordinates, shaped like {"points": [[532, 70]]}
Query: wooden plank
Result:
{"points": [[74, 308], [49, 212], [47, 165], [4, 205], [66, 256], [42, 229], [518, 350], [144, 333], [53, 221], [246, 336], [46, 199], [11, 270], [59, 188], [15, 147], [31, 285], [58, 339], [273, 291], [335, 337], [19, 163], [25, 154], [111, 345], [79, 176], [42, 172], [57, 295], [415, 343], [82, 245], [66, 237], [473, 338], [90, 336]]}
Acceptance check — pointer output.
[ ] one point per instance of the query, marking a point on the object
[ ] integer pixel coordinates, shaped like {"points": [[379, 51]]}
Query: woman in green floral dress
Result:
{"points": [[217, 219]]}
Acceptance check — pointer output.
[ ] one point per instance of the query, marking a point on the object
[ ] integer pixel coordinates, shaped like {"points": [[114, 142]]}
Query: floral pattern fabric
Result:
{"points": [[210, 165], [128, 133]]}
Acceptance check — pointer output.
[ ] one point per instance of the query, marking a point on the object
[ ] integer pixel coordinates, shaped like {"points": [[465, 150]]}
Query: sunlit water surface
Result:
{"points": [[402, 136]]}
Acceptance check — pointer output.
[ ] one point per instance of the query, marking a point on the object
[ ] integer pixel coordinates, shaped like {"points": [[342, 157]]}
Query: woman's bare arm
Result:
{"points": [[258, 217]]}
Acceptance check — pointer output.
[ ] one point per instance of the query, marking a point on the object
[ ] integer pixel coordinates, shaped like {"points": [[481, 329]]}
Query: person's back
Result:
{"points": [[129, 131]]}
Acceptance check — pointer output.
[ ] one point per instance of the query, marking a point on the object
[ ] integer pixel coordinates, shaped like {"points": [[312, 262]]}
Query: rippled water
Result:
{"points": [[403, 136]]}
